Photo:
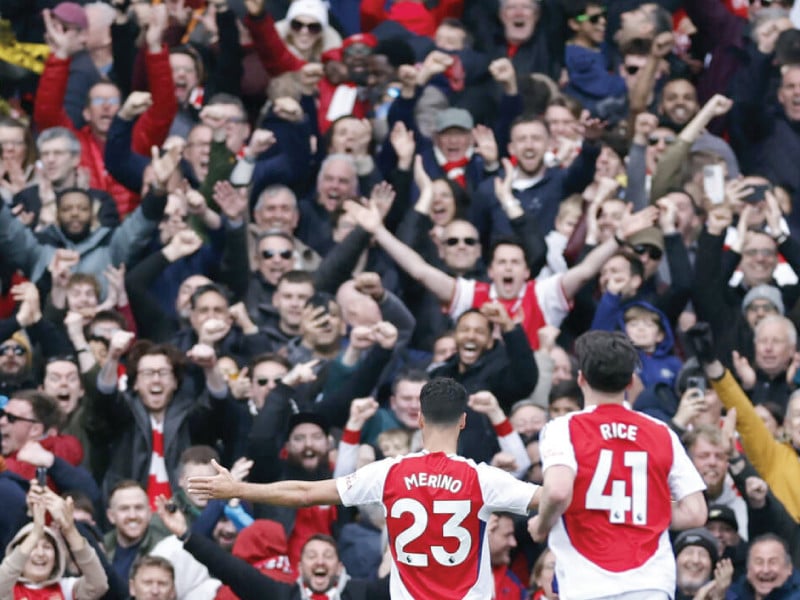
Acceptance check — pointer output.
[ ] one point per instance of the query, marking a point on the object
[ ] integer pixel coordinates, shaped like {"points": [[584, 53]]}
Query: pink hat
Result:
{"points": [[71, 14]]}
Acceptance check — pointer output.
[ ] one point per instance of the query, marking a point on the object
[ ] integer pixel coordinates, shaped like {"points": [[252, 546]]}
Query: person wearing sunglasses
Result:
{"points": [[306, 32], [275, 256], [589, 79]]}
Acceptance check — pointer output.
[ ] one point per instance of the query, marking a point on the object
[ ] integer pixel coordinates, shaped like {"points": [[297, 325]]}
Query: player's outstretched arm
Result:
{"points": [[690, 511], [281, 493]]}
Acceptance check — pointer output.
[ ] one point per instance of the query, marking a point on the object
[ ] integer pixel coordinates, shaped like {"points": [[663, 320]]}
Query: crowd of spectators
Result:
{"points": [[249, 231]]}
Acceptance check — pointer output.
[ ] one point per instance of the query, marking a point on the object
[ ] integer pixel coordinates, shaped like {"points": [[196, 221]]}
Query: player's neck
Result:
{"points": [[437, 440], [599, 399]]}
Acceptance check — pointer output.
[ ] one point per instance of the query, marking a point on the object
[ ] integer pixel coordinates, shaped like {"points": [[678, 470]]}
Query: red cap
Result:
{"points": [[360, 38]]}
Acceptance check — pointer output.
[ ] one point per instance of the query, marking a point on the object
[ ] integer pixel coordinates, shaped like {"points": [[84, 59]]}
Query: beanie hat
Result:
{"points": [[698, 536], [763, 292]]}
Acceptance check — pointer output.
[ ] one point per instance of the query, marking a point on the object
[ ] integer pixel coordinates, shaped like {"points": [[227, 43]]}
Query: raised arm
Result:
{"points": [[441, 284]]}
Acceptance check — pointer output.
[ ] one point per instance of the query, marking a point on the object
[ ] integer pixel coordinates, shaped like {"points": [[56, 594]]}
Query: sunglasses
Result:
{"points": [[654, 140], [14, 349], [453, 241], [652, 251], [263, 381], [12, 418], [593, 19], [632, 69], [299, 26], [284, 254]]}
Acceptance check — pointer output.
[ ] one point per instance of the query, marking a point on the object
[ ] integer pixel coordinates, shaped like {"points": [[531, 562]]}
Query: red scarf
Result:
{"points": [[50, 592], [455, 170]]}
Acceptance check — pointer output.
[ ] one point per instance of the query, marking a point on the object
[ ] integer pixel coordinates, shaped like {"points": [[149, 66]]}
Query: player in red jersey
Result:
{"points": [[437, 503], [615, 481]]}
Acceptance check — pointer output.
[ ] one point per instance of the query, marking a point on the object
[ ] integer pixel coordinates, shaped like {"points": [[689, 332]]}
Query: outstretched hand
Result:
{"points": [[222, 485]]}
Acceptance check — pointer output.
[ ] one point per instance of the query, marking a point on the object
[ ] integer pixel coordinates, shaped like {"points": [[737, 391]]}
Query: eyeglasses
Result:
{"points": [[14, 349], [264, 381], [284, 254], [453, 241], [299, 26], [653, 140], [150, 373], [100, 101], [12, 418], [593, 19], [632, 70], [764, 307], [654, 252], [763, 252]]}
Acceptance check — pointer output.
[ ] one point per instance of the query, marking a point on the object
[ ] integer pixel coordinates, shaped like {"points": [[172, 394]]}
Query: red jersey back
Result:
{"points": [[621, 501]]}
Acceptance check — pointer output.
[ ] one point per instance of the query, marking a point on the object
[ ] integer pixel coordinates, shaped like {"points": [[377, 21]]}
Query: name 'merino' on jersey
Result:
{"points": [[436, 508]]}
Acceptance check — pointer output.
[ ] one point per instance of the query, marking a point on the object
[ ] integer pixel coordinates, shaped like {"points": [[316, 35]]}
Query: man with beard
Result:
{"points": [[537, 188], [342, 91], [60, 152], [705, 447], [98, 247], [19, 333], [134, 534], [103, 101], [678, 106], [695, 558], [501, 542], [541, 303]]}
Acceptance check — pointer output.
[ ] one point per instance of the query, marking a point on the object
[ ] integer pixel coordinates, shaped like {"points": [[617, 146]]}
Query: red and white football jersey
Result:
{"points": [[436, 509], [628, 469], [539, 303]]}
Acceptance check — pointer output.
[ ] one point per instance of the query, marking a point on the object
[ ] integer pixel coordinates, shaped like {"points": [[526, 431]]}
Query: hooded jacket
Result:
{"points": [[660, 366], [89, 586], [263, 545]]}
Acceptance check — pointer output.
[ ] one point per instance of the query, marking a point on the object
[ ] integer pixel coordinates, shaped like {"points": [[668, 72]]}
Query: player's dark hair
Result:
{"points": [[606, 359], [443, 401]]}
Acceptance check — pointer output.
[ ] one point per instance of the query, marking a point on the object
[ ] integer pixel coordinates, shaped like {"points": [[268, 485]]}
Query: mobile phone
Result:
{"points": [[714, 183], [41, 476], [696, 383], [758, 194]]}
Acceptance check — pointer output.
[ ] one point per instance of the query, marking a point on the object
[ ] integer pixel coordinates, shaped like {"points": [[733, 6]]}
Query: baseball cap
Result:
{"points": [[360, 38], [652, 236], [720, 512], [454, 117], [71, 13], [698, 536], [763, 292], [307, 417]]}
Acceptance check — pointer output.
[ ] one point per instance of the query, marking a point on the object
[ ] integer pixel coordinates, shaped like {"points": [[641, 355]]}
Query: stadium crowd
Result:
{"points": [[250, 231]]}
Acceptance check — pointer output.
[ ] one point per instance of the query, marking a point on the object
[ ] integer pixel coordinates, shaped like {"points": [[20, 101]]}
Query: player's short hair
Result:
{"points": [[607, 360], [443, 401]]}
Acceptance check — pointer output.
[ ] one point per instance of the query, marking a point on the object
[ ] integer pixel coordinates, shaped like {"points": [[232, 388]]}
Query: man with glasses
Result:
{"points": [[102, 103], [275, 253]]}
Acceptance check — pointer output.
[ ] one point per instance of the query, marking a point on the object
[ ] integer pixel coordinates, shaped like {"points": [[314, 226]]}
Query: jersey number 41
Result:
{"points": [[619, 501]]}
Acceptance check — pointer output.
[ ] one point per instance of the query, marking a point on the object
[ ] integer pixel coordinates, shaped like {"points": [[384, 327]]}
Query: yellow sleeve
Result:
{"points": [[759, 445]]}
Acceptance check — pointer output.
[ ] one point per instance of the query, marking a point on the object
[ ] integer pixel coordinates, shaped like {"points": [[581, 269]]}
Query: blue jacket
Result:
{"points": [[660, 366], [589, 79]]}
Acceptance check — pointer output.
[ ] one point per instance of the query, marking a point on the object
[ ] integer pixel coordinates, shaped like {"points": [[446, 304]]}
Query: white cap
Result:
{"points": [[308, 8]]}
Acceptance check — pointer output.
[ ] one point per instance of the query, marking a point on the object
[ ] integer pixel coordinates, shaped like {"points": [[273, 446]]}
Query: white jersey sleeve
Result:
{"points": [[683, 476], [553, 303], [555, 445], [504, 492], [366, 484], [462, 299]]}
